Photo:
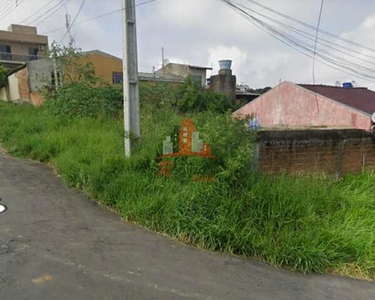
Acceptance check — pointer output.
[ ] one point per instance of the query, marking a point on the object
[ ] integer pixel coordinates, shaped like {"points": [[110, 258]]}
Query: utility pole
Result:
{"points": [[130, 71], [67, 26], [162, 59]]}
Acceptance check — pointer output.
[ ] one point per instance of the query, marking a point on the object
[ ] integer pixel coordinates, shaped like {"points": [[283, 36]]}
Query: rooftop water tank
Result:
{"points": [[347, 85], [225, 64]]}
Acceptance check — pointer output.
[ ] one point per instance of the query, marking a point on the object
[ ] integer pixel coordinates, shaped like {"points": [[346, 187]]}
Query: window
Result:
{"points": [[33, 53], [5, 53], [54, 83], [117, 78]]}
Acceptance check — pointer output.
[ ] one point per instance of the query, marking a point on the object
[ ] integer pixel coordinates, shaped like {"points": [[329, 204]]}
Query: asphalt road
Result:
{"points": [[56, 244]]}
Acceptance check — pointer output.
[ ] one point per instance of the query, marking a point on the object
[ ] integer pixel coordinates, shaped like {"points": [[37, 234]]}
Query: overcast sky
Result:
{"points": [[201, 32]]}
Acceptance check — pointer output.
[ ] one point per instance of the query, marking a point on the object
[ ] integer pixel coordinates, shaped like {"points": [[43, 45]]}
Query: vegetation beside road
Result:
{"points": [[302, 223]]}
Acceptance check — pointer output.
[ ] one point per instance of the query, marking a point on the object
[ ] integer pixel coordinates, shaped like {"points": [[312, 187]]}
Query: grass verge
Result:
{"points": [[309, 224]]}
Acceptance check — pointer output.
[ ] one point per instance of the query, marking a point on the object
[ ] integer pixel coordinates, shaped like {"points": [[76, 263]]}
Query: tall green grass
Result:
{"points": [[310, 224]]}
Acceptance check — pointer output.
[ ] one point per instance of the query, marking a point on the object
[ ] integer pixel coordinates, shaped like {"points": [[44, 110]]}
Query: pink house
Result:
{"points": [[292, 105]]}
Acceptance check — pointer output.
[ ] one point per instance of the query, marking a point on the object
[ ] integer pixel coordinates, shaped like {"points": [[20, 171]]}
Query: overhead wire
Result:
{"points": [[298, 44], [98, 17], [37, 11], [11, 9], [6, 6], [316, 39], [312, 27], [49, 13], [314, 57], [324, 42]]}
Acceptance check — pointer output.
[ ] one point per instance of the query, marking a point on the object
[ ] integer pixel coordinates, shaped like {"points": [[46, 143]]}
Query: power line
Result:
{"points": [[11, 9], [6, 6], [316, 38], [99, 17], [75, 18], [50, 12], [313, 27], [37, 11], [324, 42], [297, 44]]}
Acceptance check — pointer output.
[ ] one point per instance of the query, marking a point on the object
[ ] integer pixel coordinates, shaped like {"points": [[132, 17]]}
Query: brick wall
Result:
{"points": [[23, 84], [315, 151]]}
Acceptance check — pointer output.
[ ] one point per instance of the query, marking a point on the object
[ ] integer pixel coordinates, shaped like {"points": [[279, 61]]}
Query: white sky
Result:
{"points": [[201, 32]]}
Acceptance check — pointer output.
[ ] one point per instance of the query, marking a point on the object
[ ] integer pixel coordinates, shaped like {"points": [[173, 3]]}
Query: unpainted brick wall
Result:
{"points": [[335, 152], [23, 84]]}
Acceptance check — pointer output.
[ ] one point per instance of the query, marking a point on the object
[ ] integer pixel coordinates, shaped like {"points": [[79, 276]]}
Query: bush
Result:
{"points": [[192, 98], [310, 224], [81, 99], [159, 94]]}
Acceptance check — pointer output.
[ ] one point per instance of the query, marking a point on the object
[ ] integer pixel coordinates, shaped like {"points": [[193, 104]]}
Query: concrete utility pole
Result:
{"points": [[162, 59], [130, 70]]}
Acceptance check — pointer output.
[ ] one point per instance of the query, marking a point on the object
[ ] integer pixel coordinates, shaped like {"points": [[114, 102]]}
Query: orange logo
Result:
{"points": [[189, 145]]}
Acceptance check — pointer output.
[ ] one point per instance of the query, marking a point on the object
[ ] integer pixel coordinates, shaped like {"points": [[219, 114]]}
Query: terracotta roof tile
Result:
{"points": [[360, 98]]}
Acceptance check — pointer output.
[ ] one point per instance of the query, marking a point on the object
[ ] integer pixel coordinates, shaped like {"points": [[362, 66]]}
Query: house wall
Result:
{"points": [[104, 66], [18, 86], [293, 106], [14, 94], [224, 83], [175, 69], [335, 152], [199, 73], [184, 71], [23, 85], [40, 74]]}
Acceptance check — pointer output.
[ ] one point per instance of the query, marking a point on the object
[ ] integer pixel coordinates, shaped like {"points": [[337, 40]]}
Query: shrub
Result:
{"points": [[80, 99], [304, 223], [159, 94], [192, 98]]}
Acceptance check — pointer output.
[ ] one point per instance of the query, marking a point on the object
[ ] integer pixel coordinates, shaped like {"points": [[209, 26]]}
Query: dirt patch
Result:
{"points": [[3, 152]]}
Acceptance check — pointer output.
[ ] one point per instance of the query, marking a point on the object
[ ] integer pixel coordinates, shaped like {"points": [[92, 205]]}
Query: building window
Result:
{"points": [[5, 53], [118, 78], [33, 53], [56, 83]]}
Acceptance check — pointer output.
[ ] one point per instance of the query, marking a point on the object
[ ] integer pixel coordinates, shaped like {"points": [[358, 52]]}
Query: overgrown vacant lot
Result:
{"points": [[310, 224]]}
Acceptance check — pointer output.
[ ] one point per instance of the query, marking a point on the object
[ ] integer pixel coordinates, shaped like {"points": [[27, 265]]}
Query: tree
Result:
{"points": [[3, 75], [73, 64], [246, 88]]}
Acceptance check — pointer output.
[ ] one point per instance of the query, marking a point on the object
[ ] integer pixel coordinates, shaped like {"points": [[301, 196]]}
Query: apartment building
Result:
{"points": [[20, 44]]}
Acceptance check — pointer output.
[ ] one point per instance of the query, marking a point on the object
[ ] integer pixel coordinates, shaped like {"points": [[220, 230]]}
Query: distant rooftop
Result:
{"points": [[190, 66], [157, 77], [357, 97], [98, 52]]}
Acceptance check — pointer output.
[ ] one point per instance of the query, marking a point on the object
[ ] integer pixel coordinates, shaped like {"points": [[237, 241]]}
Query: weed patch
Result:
{"points": [[309, 224]]}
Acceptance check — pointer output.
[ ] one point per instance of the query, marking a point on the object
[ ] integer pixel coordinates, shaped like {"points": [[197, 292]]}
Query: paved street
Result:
{"points": [[56, 244]]}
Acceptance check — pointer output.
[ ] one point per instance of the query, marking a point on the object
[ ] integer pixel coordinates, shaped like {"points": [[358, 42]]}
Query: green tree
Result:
{"points": [[73, 64]]}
